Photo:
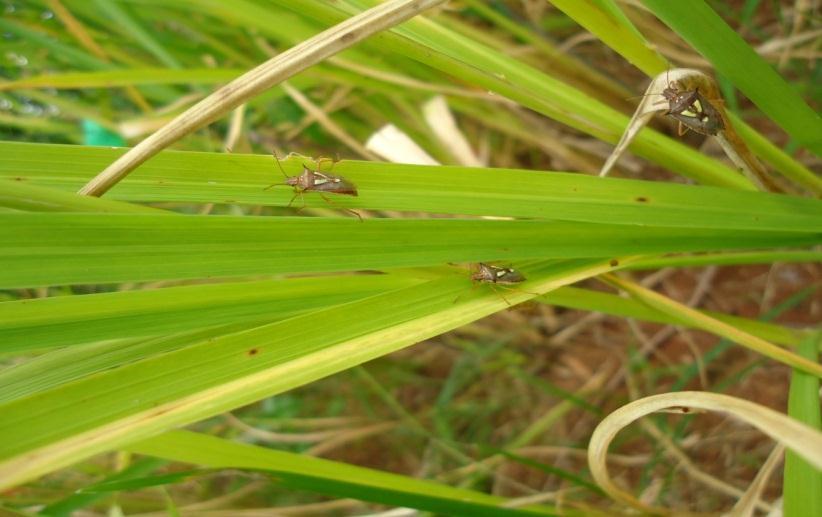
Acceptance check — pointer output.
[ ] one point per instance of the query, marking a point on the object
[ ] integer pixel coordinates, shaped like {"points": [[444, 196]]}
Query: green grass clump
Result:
{"points": [[192, 295]]}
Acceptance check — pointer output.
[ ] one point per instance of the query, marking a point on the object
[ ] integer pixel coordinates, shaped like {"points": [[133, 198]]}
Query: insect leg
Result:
{"points": [[296, 193], [514, 289], [473, 288], [494, 288], [327, 200], [323, 159]]}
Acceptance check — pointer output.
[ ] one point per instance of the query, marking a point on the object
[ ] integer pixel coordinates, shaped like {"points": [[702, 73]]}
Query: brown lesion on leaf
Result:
{"points": [[641, 199]]}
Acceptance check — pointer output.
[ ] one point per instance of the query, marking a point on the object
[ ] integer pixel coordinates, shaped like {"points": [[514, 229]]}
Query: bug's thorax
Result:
{"points": [[305, 180], [679, 100]]}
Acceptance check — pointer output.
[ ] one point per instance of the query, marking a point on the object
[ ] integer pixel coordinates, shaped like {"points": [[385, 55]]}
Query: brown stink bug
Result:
{"points": [[496, 276], [692, 110], [315, 180]]}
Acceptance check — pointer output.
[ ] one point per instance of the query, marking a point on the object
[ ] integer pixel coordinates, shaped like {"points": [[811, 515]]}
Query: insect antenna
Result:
{"points": [[642, 96], [281, 170]]}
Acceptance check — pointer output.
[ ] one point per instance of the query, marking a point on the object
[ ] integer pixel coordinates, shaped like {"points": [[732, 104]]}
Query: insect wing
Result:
{"points": [[509, 276], [711, 119], [694, 111], [679, 101], [333, 184]]}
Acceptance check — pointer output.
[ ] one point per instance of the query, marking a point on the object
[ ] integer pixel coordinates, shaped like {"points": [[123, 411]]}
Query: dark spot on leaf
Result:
{"points": [[253, 351], [348, 36], [614, 262], [642, 199], [160, 411]]}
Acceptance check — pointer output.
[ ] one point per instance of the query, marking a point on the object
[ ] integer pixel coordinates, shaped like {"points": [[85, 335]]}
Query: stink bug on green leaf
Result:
{"points": [[496, 276], [692, 110], [314, 180]]}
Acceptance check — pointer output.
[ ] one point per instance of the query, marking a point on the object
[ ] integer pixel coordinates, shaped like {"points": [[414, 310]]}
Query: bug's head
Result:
{"points": [[482, 272]]}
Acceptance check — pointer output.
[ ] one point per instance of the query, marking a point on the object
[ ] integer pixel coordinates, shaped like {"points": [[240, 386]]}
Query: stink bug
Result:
{"points": [[692, 110], [314, 180], [496, 276]]}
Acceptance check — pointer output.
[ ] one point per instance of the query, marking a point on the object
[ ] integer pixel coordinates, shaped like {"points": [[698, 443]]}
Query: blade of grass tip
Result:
{"points": [[802, 485], [708, 33], [693, 317], [254, 82]]}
